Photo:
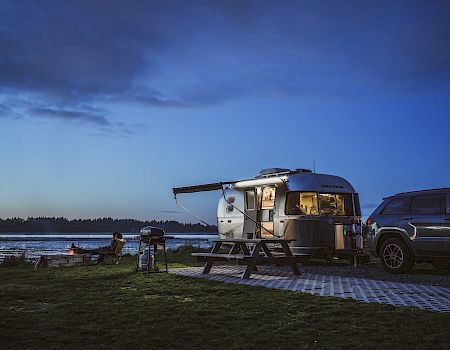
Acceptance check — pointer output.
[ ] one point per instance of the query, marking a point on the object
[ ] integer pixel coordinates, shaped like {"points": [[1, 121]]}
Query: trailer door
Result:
{"points": [[250, 213], [267, 211]]}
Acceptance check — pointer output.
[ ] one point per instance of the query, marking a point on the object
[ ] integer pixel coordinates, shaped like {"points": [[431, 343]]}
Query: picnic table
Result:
{"points": [[240, 251]]}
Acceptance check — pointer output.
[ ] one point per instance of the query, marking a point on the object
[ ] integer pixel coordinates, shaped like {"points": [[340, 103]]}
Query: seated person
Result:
{"points": [[100, 250], [112, 247]]}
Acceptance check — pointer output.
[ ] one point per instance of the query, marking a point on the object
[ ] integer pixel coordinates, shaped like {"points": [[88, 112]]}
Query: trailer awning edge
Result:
{"points": [[200, 188]]}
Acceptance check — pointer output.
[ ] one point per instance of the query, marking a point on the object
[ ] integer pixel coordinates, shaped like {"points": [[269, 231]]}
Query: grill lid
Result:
{"points": [[152, 231]]}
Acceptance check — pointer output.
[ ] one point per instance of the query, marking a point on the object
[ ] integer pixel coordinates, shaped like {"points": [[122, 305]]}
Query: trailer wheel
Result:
{"points": [[395, 256]]}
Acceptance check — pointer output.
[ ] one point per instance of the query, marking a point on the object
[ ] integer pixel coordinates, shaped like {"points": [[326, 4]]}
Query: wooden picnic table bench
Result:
{"points": [[238, 250]]}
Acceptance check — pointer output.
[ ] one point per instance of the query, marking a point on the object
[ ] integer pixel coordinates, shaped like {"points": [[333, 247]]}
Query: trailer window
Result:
{"points": [[250, 200], [301, 203], [338, 204]]}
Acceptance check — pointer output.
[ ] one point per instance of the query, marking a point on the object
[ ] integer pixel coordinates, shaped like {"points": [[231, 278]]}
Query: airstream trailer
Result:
{"points": [[320, 212]]}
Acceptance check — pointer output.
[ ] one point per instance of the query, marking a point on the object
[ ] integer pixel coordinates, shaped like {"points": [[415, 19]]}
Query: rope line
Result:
{"points": [[190, 212]]}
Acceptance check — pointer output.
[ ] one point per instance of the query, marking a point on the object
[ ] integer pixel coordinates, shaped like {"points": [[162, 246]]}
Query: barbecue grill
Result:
{"points": [[150, 239]]}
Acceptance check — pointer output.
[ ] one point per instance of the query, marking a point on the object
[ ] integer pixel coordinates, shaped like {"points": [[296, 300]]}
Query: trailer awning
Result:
{"points": [[200, 188]]}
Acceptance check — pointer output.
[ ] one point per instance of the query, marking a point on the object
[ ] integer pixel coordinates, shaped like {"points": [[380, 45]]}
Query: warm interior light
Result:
{"points": [[268, 198]]}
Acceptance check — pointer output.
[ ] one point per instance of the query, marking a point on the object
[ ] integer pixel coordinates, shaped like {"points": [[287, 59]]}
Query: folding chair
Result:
{"points": [[115, 256]]}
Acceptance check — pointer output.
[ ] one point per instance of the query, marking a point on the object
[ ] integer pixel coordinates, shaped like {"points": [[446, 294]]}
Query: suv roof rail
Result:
{"points": [[418, 191]]}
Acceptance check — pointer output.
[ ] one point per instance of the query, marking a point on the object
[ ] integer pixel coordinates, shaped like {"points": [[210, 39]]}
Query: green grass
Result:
{"points": [[110, 307]]}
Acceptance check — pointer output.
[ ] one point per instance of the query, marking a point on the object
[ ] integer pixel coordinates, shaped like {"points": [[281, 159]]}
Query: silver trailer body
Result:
{"points": [[320, 212]]}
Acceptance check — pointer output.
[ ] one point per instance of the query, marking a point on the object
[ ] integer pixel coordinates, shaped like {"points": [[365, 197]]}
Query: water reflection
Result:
{"points": [[35, 245]]}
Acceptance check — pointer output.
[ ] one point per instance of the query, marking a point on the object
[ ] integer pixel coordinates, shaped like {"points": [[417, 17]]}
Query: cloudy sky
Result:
{"points": [[106, 105]]}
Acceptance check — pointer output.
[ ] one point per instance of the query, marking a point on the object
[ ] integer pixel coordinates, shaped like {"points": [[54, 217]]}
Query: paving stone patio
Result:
{"points": [[433, 298]]}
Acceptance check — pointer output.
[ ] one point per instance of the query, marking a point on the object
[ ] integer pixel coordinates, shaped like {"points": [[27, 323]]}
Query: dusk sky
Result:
{"points": [[107, 105]]}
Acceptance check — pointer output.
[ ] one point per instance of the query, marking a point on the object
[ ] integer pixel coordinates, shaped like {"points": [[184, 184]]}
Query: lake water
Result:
{"points": [[34, 245]]}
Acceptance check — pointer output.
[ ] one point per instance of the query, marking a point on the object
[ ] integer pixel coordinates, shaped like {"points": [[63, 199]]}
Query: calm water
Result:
{"points": [[34, 245]]}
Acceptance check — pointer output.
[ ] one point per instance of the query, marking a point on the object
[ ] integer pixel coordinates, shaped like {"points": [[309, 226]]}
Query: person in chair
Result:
{"points": [[100, 250]]}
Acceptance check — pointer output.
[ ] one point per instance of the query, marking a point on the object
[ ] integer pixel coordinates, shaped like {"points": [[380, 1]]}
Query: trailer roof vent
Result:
{"points": [[301, 170], [273, 171]]}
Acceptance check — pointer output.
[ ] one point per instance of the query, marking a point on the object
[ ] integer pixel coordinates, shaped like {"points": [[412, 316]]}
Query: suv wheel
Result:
{"points": [[395, 256]]}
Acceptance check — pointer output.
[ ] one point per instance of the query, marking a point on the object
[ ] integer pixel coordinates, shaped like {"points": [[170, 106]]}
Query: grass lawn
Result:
{"points": [[111, 307]]}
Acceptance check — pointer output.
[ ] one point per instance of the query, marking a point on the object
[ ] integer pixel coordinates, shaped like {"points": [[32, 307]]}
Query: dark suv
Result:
{"points": [[411, 227]]}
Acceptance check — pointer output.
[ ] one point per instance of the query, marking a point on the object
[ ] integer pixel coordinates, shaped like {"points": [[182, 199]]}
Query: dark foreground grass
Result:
{"points": [[110, 307]]}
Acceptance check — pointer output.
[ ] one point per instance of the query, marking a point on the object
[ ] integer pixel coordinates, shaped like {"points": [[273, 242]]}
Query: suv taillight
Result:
{"points": [[369, 221]]}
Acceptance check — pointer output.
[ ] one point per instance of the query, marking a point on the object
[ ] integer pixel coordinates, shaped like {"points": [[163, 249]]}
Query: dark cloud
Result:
{"points": [[70, 51], [153, 98], [71, 115], [4, 110], [181, 54], [86, 115], [7, 111]]}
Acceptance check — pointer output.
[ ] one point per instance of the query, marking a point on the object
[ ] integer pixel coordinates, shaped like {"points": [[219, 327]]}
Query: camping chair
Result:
{"points": [[114, 256]]}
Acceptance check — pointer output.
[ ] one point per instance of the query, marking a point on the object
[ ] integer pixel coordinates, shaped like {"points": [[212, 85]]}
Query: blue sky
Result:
{"points": [[107, 105]]}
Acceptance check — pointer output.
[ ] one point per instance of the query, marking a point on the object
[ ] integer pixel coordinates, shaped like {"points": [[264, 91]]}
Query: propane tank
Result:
{"points": [[146, 258], [143, 258], [152, 261]]}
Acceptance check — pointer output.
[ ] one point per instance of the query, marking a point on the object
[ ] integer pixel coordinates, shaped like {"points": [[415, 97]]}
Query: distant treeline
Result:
{"points": [[44, 224]]}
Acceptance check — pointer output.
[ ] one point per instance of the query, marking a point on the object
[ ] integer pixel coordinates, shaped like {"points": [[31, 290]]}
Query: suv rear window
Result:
{"points": [[397, 206], [427, 204]]}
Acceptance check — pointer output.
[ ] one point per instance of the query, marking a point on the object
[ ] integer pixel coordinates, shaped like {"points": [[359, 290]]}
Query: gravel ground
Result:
{"points": [[420, 274]]}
